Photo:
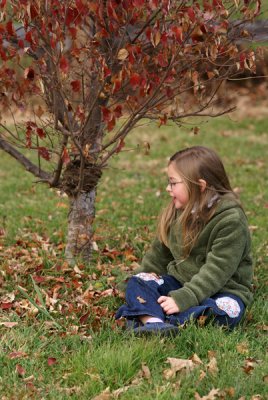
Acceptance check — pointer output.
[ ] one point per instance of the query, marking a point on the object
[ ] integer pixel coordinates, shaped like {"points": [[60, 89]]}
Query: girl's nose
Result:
{"points": [[168, 188]]}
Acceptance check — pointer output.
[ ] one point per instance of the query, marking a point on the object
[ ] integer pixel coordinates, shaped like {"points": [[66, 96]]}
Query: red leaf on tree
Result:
{"points": [[76, 85], [191, 14], [65, 156], [107, 71], [3, 55], [117, 85], [41, 133], [64, 65], [164, 38], [81, 7], [28, 137], [3, 3], [177, 32], [154, 4], [120, 146], [44, 153], [117, 111], [9, 28], [29, 74], [71, 16], [217, 3], [135, 80], [33, 11], [162, 60], [28, 37], [21, 44], [138, 3], [106, 114], [51, 361], [73, 32], [111, 124]]}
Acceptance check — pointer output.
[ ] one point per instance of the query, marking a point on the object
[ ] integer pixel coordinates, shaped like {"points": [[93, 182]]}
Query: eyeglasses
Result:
{"points": [[172, 184]]}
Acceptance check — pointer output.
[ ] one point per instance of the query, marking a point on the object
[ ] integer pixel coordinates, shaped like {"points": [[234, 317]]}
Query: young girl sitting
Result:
{"points": [[200, 262]]}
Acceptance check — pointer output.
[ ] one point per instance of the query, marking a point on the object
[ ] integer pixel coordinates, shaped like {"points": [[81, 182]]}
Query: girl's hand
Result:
{"points": [[168, 305]]}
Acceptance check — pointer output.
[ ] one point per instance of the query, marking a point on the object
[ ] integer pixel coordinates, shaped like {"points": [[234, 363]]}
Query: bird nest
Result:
{"points": [[71, 177]]}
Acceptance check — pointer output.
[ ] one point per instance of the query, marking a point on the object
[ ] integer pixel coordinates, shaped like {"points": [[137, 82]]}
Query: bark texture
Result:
{"points": [[80, 219]]}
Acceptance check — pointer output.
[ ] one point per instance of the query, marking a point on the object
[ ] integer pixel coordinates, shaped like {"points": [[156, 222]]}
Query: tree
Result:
{"points": [[89, 71]]}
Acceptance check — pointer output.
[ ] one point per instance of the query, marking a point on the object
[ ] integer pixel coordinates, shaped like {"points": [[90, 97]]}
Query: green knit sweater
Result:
{"points": [[219, 262]]}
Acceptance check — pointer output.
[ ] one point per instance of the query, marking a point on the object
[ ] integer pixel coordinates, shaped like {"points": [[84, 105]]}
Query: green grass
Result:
{"points": [[94, 354]]}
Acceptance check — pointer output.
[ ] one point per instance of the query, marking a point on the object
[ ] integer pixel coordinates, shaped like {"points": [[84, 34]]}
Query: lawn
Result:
{"points": [[58, 335]]}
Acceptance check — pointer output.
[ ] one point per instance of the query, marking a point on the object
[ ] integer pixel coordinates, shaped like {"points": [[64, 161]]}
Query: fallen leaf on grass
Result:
{"points": [[242, 348], [250, 364], [17, 354], [20, 370], [84, 318], [212, 366], [262, 327], [9, 324], [196, 359], [71, 390], [212, 395], [105, 395], [145, 372], [29, 378], [178, 364], [202, 375], [51, 361]]}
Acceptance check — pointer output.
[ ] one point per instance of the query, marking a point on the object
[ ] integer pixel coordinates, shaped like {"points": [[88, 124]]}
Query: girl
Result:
{"points": [[200, 262]]}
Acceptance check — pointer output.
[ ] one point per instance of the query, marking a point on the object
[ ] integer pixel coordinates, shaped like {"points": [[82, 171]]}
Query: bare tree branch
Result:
{"points": [[24, 161]]}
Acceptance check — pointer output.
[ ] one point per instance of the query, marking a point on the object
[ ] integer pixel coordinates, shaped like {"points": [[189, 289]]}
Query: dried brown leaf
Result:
{"points": [[178, 364], [242, 348], [141, 300], [196, 359], [211, 354], [105, 395], [250, 364], [212, 366], [145, 372], [20, 370], [17, 354], [212, 395], [202, 375]]}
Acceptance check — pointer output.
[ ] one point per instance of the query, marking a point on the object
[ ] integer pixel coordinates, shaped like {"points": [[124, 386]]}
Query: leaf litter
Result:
{"points": [[75, 299]]}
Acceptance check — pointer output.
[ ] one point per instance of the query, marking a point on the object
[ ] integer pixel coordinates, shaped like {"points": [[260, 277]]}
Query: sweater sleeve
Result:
{"points": [[156, 259], [221, 263]]}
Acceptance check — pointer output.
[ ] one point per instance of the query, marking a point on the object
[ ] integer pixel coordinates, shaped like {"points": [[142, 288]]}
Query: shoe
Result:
{"points": [[156, 328], [131, 324]]}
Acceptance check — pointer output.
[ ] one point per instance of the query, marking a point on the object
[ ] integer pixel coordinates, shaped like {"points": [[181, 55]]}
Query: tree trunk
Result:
{"points": [[80, 220]]}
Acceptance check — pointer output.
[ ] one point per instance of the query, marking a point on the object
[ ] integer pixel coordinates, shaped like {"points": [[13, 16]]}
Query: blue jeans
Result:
{"points": [[141, 298]]}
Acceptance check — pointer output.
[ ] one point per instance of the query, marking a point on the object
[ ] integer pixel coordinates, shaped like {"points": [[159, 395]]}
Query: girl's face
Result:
{"points": [[177, 187]]}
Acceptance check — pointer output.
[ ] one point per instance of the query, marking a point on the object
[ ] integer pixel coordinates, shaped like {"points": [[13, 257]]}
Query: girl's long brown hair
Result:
{"points": [[192, 164]]}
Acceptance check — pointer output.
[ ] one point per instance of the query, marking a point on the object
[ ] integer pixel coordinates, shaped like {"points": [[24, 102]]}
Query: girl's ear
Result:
{"points": [[202, 184]]}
